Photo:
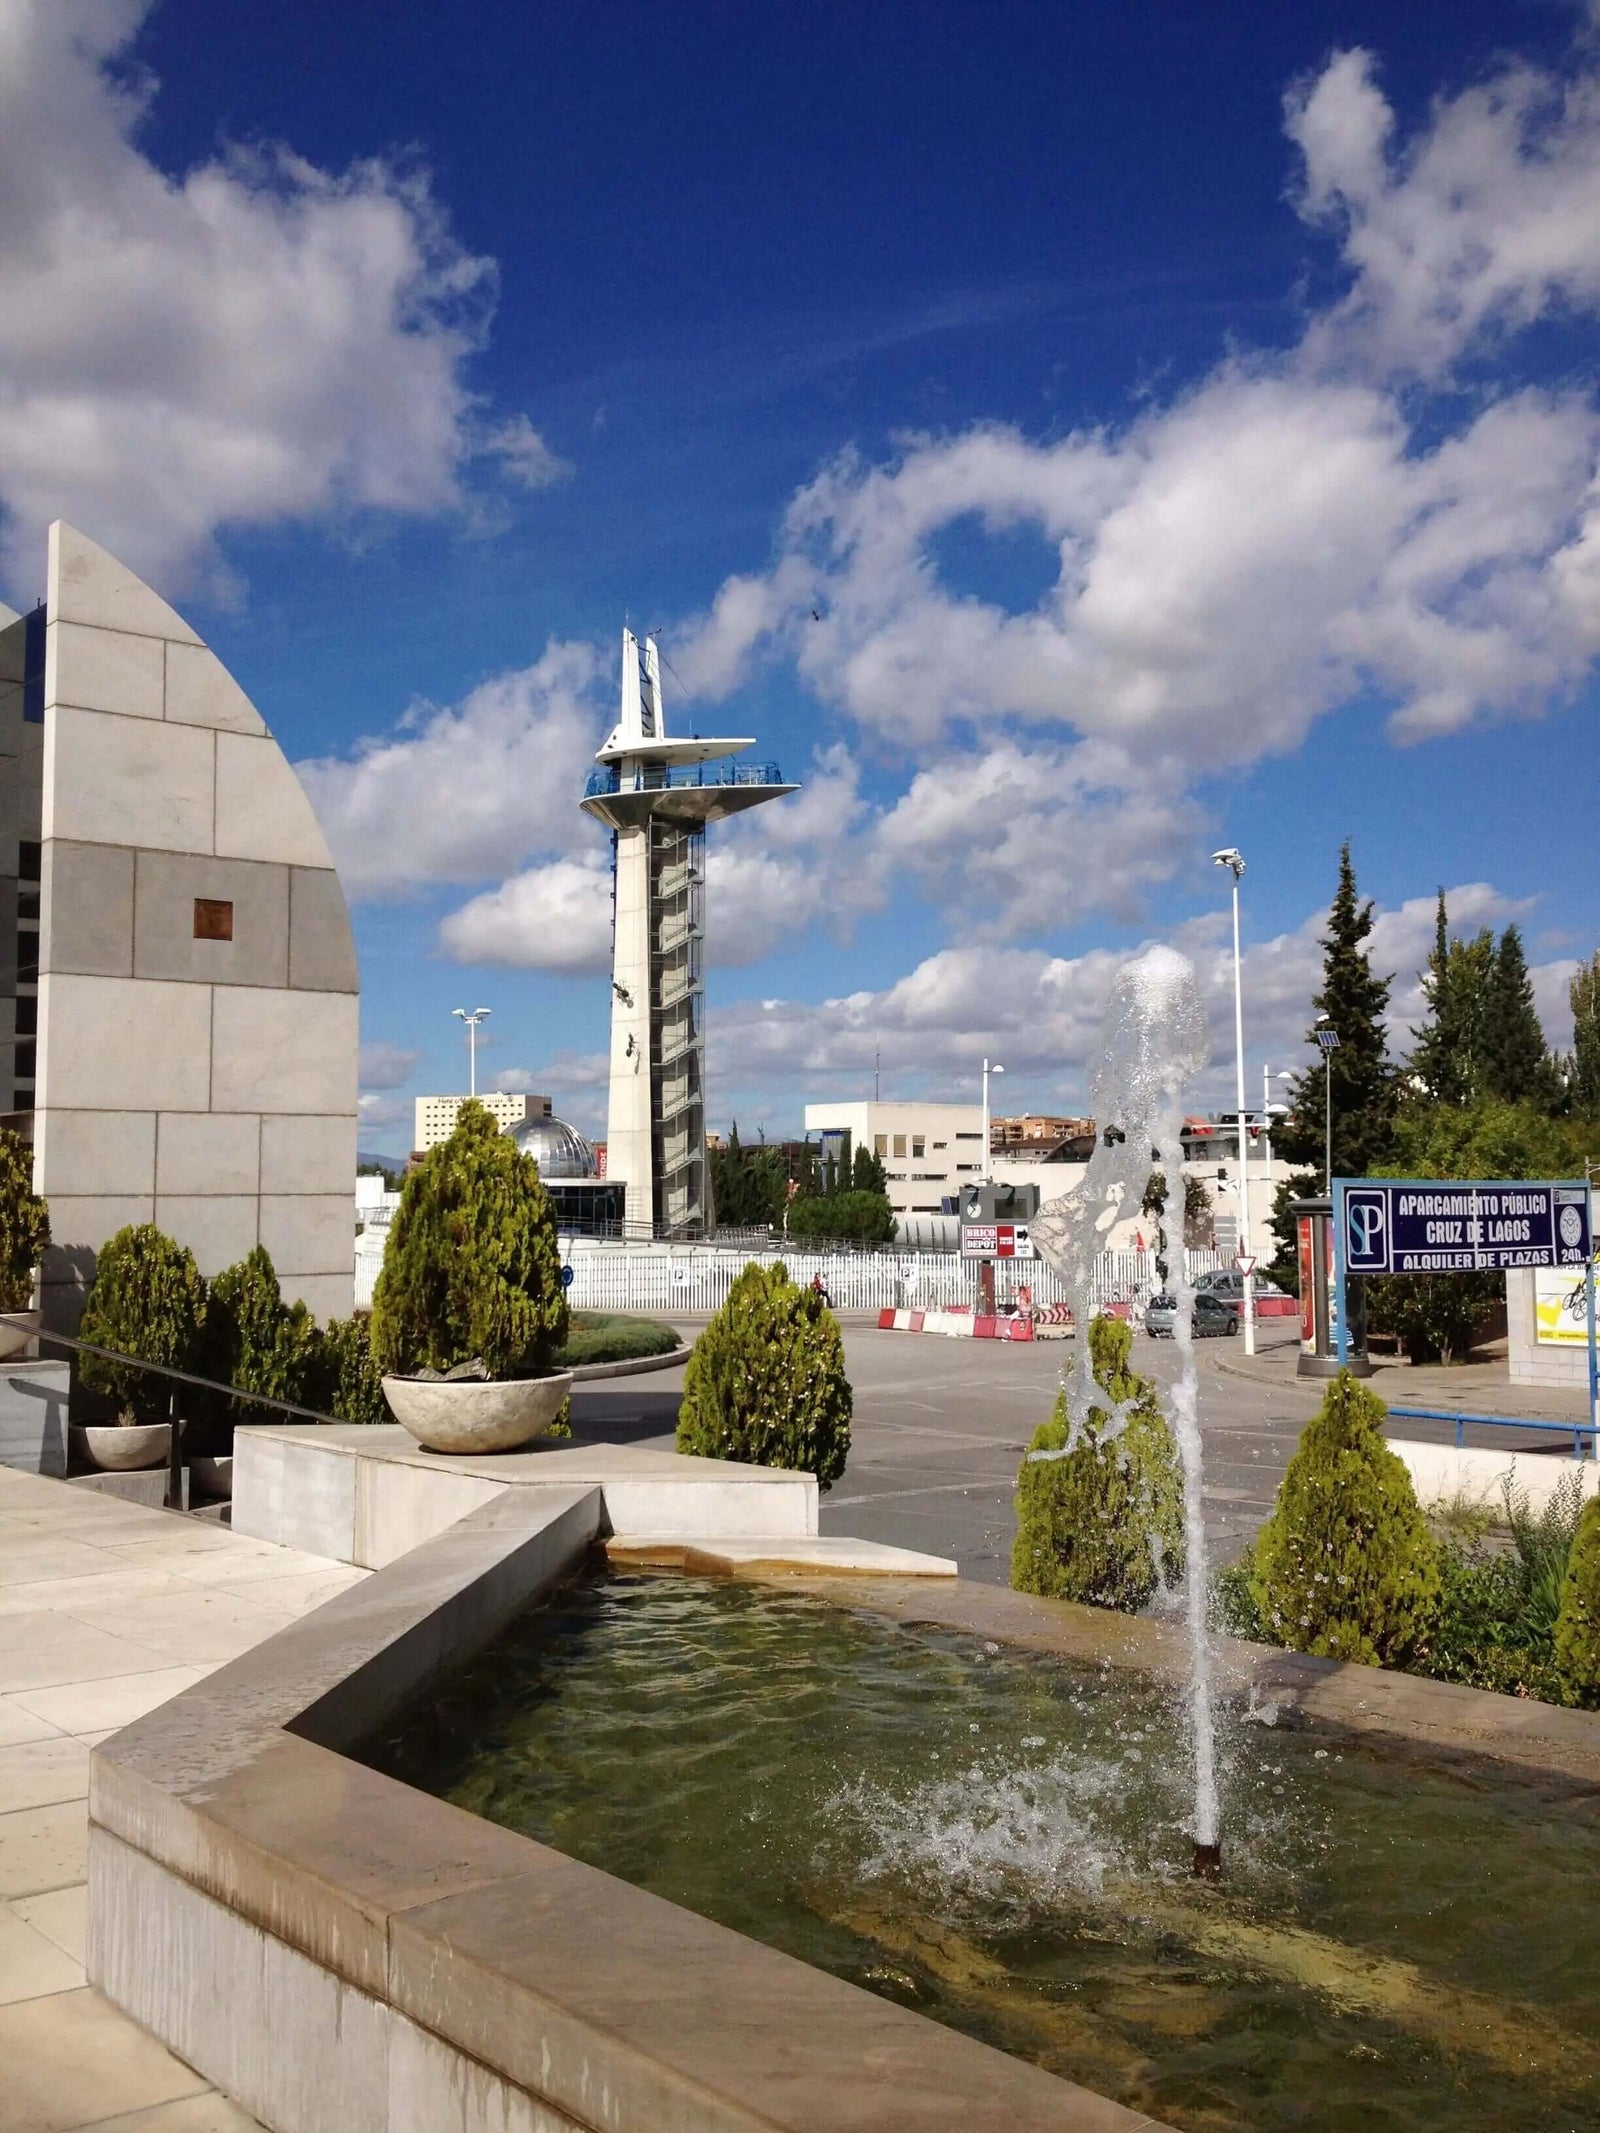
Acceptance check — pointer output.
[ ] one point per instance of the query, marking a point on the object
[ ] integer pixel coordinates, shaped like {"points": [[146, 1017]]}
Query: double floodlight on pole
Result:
{"points": [[1328, 1037], [1233, 859], [472, 1017], [996, 1068]]}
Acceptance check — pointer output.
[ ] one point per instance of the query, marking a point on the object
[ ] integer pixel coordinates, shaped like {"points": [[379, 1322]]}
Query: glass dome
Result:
{"points": [[559, 1149]]}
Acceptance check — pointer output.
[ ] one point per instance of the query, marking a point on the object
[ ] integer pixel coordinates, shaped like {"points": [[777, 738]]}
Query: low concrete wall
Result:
{"points": [[1442, 1473], [33, 1417], [345, 1955], [366, 1496]]}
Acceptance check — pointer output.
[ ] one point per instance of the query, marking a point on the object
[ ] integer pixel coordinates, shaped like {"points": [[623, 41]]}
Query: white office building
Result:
{"points": [[436, 1115], [928, 1151]]}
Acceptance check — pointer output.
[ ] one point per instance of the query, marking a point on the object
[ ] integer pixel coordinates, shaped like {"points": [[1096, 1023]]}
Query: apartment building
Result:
{"points": [[436, 1115], [928, 1150]]}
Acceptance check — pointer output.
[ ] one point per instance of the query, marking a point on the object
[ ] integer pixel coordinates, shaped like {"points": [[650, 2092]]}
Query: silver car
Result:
{"points": [[1212, 1314]]}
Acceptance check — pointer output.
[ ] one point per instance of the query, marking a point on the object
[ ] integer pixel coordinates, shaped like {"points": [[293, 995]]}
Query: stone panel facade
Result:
{"points": [[197, 987]]}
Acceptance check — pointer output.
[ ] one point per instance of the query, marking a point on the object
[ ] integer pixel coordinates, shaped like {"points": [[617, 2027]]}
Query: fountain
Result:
{"points": [[1155, 1041]]}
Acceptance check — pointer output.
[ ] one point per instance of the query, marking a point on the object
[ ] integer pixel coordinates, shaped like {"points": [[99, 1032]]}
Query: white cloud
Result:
{"points": [[1294, 530], [253, 341], [1484, 221], [387, 1066], [1041, 1015], [553, 917], [467, 793], [525, 456]]}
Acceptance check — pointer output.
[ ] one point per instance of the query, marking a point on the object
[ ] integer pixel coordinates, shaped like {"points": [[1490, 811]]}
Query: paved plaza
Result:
{"points": [[106, 1610], [941, 1425]]}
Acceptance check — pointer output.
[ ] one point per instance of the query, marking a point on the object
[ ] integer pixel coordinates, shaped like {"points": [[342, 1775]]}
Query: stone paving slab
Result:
{"points": [[107, 1609]]}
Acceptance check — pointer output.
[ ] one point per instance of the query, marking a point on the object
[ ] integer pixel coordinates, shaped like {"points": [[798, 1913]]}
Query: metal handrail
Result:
{"points": [[680, 777], [1576, 1430], [162, 1370]]}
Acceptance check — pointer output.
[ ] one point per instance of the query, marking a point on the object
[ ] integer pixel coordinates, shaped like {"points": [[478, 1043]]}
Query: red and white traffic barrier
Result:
{"points": [[956, 1325]]}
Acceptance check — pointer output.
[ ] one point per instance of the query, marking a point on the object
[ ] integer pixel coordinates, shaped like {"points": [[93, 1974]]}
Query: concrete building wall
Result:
{"points": [[198, 991]]}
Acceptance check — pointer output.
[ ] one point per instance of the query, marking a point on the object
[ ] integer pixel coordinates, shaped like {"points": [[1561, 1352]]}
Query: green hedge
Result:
{"points": [[1577, 1630], [615, 1337]]}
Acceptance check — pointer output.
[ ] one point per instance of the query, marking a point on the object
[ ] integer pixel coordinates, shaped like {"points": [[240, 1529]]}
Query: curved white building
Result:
{"points": [[179, 1018]]}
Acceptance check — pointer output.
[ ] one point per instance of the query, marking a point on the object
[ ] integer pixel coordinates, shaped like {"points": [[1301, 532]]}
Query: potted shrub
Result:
{"points": [[148, 1300], [469, 1312], [259, 1343], [24, 1233]]}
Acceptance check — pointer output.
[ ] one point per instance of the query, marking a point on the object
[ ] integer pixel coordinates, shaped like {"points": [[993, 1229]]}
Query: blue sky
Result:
{"points": [[1180, 423]]}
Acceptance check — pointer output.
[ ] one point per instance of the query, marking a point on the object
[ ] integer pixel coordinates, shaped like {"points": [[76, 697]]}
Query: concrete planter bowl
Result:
{"points": [[126, 1447], [469, 1415], [17, 1329]]}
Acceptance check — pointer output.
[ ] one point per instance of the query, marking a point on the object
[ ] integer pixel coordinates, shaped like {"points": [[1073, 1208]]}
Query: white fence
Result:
{"points": [[694, 1279]]}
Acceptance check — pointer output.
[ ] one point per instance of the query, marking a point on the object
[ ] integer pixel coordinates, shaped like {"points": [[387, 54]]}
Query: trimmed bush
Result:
{"points": [[1345, 1567], [1577, 1637], [766, 1384], [615, 1337], [256, 1341], [350, 1386], [147, 1299], [472, 1268], [1104, 1524], [24, 1223]]}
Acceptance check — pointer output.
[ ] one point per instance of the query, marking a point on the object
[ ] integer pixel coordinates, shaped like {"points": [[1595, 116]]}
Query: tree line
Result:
{"points": [[1479, 1093], [844, 1197]]}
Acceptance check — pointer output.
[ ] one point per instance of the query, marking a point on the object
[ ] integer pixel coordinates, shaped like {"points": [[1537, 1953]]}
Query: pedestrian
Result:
{"points": [[820, 1288]]}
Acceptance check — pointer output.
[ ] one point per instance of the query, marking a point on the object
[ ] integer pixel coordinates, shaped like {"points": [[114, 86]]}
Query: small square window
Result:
{"points": [[899, 1144], [880, 1144], [918, 1144], [213, 919]]}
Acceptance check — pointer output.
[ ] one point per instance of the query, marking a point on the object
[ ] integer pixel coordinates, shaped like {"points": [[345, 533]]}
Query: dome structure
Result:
{"points": [[559, 1149]]}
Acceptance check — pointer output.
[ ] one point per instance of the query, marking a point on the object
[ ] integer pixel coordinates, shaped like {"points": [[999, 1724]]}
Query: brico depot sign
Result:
{"points": [[996, 1240]]}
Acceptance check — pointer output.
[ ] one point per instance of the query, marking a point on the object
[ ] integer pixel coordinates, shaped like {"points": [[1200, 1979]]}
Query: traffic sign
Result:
{"points": [[1441, 1226], [568, 1276], [996, 1240], [1245, 1262]]}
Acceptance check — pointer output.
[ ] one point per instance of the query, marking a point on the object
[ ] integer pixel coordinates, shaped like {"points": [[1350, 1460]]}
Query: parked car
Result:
{"points": [[1229, 1282], [1213, 1314]]}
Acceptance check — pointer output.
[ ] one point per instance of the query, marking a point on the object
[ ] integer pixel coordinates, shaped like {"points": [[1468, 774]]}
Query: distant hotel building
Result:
{"points": [[437, 1115], [1035, 1132]]}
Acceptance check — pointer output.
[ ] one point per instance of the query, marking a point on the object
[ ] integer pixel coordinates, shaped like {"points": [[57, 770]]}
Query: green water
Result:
{"points": [[1000, 1841]]}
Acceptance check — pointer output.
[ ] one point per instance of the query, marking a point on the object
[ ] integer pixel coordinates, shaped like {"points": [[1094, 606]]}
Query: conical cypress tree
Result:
{"points": [[256, 1341], [1446, 1057], [765, 1385], [1577, 1636], [1583, 995], [472, 1268], [1365, 1088], [24, 1223], [1345, 1566], [1517, 1067], [147, 1299], [1104, 1524]]}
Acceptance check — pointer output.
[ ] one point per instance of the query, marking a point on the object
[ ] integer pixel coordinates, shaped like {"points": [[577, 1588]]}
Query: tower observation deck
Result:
{"points": [[657, 795]]}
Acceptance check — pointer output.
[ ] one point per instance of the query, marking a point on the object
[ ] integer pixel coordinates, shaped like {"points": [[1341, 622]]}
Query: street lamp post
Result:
{"points": [[1328, 1037], [1233, 860], [987, 1071], [472, 1018]]}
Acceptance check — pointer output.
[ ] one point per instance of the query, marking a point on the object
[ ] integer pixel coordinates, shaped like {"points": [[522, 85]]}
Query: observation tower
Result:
{"points": [[656, 795]]}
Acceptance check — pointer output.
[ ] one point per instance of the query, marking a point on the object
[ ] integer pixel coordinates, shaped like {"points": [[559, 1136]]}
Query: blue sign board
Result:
{"points": [[1443, 1226], [568, 1276]]}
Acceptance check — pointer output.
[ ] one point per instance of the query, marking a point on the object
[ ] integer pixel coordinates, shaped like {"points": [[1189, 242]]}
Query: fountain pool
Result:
{"points": [[1003, 1841]]}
